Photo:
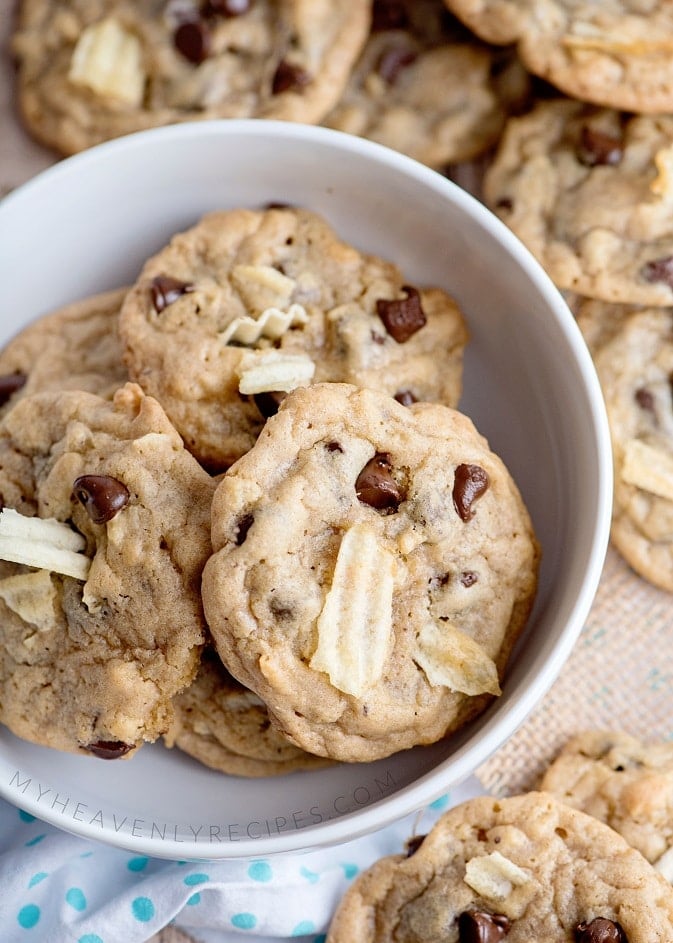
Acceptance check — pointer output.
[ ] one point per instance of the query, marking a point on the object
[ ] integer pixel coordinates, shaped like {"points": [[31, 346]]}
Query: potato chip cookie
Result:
{"points": [[589, 191], [623, 782], [223, 725], [106, 521], [373, 567], [74, 348], [90, 70], [616, 52], [527, 868], [247, 305]]}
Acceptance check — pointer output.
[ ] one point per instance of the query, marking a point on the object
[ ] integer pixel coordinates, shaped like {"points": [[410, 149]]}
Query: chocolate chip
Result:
{"points": [[109, 749], [244, 525], [394, 60], [659, 270], [277, 205], [469, 577], [376, 486], [225, 7], [102, 495], [478, 926], [166, 289], [333, 447], [600, 930], [10, 383], [289, 77], [470, 483], [405, 397], [402, 317], [268, 403], [596, 147], [645, 399], [192, 40], [389, 14], [505, 203], [412, 845]]}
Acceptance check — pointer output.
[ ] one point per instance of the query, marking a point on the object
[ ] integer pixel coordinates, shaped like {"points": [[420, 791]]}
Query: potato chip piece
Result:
{"points": [[648, 468], [262, 286], [32, 596], [44, 543], [272, 323], [494, 876], [108, 60], [274, 371], [451, 658]]}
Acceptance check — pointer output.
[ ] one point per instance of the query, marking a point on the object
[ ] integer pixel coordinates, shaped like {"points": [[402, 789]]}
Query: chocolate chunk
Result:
{"points": [[470, 483], [469, 577], [109, 749], [402, 317], [645, 399], [10, 383], [166, 289], [376, 486], [225, 7], [289, 77], [596, 147], [102, 495], [244, 525], [477, 926], [268, 403], [334, 447], [659, 270], [405, 397], [600, 930], [393, 61], [412, 845], [192, 40], [389, 14]]}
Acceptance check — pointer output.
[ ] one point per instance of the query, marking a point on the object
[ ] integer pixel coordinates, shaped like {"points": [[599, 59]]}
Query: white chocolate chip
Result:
{"points": [[44, 543], [664, 865], [262, 287], [493, 876], [272, 323], [451, 658], [648, 468], [108, 60], [32, 596], [274, 371], [355, 625]]}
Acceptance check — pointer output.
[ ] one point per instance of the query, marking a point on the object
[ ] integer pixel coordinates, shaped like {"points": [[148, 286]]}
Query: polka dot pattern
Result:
{"points": [[137, 864], [90, 938], [260, 871], [244, 921], [37, 878], [142, 909], [193, 879], [75, 897], [28, 916]]}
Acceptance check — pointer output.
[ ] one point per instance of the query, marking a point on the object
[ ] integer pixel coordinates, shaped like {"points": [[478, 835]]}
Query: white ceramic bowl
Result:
{"points": [[88, 224]]}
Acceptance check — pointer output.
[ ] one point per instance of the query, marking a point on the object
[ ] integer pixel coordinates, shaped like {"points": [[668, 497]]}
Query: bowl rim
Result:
{"points": [[496, 729]]}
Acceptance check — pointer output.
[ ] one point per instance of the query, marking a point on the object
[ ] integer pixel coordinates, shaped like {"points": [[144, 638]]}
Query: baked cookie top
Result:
{"points": [[90, 70], [223, 725], [633, 355], [518, 869], [373, 567], [251, 303], [74, 348], [615, 53], [424, 87], [623, 782], [589, 191], [106, 625]]}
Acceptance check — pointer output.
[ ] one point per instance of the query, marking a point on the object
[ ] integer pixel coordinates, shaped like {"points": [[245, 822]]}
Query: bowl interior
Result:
{"points": [[88, 224]]}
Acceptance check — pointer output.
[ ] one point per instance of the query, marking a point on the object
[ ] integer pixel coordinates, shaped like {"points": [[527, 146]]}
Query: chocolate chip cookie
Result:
{"points": [[633, 355], [74, 348], [519, 869], [373, 566], [423, 86], [106, 521], [589, 191], [616, 53], [90, 70], [249, 304], [623, 782], [223, 725]]}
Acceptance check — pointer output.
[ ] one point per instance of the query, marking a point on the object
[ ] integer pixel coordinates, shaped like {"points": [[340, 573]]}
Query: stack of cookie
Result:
{"points": [[241, 511]]}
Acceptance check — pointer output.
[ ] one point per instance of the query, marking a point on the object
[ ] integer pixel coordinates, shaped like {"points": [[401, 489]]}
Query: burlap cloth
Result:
{"points": [[619, 675]]}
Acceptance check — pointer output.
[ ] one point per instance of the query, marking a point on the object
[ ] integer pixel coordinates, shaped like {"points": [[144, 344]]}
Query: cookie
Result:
{"points": [[90, 70], [623, 782], [373, 566], [589, 192], [223, 725], [100, 611], [518, 869], [616, 54], [633, 356], [74, 348], [423, 87], [249, 304]]}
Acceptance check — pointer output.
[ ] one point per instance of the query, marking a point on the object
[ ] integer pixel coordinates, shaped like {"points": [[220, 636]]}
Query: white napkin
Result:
{"points": [[57, 888]]}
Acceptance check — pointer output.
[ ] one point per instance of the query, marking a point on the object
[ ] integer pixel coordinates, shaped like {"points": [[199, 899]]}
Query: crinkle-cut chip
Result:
{"points": [[262, 287], [664, 865], [355, 625], [272, 323], [648, 468], [452, 659], [494, 876], [273, 371], [662, 184], [32, 596], [44, 543], [108, 60]]}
